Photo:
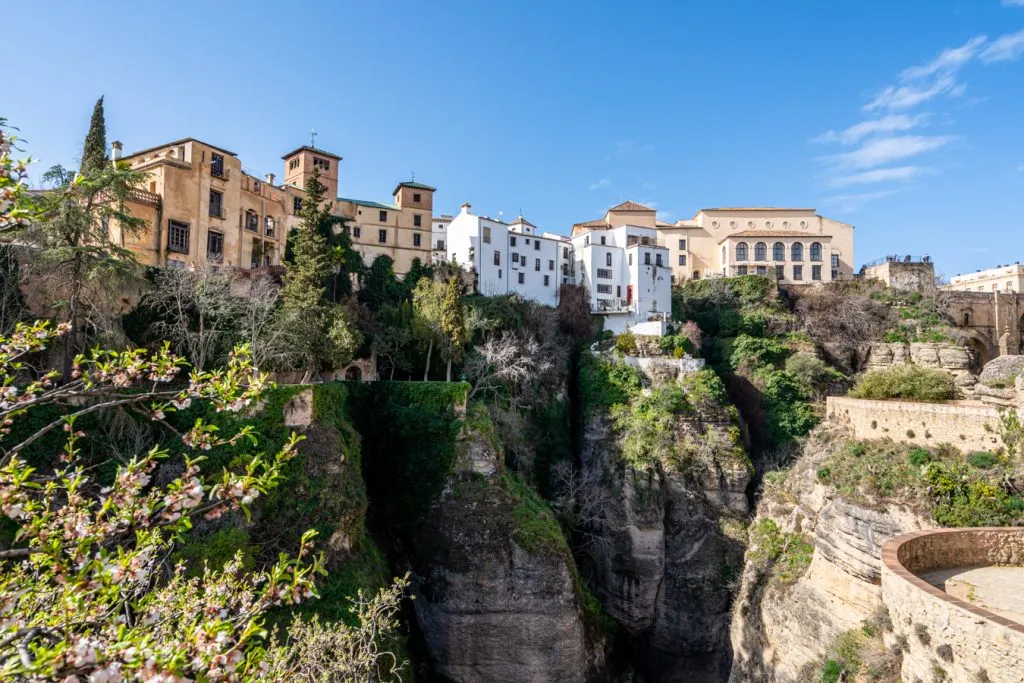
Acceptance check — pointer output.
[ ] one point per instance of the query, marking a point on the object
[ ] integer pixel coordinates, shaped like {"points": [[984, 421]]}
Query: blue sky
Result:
{"points": [[903, 117]]}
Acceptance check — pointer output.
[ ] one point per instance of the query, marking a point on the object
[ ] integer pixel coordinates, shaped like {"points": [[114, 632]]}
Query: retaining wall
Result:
{"points": [[938, 631], [968, 427]]}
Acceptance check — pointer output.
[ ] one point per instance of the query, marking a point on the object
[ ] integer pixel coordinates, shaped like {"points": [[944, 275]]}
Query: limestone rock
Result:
{"points": [[925, 354], [1002, 370], [966, 380], [882, 355], [492, 603], [955, 357]]}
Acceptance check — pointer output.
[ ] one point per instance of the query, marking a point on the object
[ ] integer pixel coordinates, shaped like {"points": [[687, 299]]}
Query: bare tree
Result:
{"points": [[833, 313], [505, 363], [582, 504], [197, 309], [261, 325]]}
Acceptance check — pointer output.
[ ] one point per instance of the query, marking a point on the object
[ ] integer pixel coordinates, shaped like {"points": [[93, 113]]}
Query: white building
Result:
{"points": [[438, 237], [628, 277], [508, 258], [1008, 278]]}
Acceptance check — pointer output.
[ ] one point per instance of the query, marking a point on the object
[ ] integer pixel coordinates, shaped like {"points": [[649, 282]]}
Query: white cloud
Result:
{"points": [[884, 150], [1006, 48], [907, 96], [947, 62], [600, 184], [879, 175], [893, 123]]}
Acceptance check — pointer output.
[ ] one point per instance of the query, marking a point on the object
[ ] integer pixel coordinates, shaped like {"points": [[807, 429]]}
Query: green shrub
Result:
{"points": [[919, 456], [755, 352], [788, 555], [811, 372], [824, 473], [831, 671], [788, 412], [960, 500], [858, 449], [909, 382], [626, 343], [606, 383], [647, 427], [983, 460]]}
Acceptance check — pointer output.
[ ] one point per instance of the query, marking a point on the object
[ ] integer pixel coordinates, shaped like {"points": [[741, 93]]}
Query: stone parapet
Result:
{"points": [[938, 631], [969, 427]]}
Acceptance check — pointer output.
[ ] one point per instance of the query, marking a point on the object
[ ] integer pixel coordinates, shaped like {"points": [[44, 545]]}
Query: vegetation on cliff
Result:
{"points": [[908, 382]]}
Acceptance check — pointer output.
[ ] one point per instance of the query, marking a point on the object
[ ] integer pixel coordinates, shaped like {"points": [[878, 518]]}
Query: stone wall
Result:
{"points": [[938, 631], [968, 427]]}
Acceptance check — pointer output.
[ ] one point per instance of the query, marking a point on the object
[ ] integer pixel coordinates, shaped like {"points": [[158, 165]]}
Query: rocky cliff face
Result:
{"points": [[497, 593], [783, 621], [667, 547]]}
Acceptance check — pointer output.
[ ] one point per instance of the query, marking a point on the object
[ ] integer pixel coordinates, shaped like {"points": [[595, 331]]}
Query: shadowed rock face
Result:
{"points": [[661, 564], [490, 609]]}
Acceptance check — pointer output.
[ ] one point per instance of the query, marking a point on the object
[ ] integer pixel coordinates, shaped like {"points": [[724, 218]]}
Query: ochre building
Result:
{"points": [[204, 210]]}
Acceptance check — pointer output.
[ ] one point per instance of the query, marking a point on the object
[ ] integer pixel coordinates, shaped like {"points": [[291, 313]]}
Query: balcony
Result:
{"points": [[219, 171], [615, 305]]}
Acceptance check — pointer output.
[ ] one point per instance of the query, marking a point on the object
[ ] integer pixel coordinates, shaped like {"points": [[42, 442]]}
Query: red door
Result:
{"points": [[629, 294]]}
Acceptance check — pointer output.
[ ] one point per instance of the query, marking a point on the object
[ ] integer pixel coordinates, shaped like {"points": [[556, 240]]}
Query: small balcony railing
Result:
{"points": [[218, 171]]}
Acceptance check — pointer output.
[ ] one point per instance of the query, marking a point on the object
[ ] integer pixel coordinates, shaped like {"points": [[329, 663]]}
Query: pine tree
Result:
{"points": [[453, 322], [321, 334], [94, 152]]}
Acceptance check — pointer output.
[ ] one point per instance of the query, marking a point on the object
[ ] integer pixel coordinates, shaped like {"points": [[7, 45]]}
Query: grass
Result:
{"points": [[786, 554]]}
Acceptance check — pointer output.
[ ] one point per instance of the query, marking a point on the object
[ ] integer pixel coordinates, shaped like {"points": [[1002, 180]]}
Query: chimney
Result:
{"points": [[115, 150], [269, 178], [466, 207]]}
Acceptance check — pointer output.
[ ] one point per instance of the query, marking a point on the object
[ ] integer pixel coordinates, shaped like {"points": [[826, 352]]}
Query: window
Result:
{"points": [[778, 252], [215, 246], [551, 264], [618, 291], [796, 252], [487, 234], [657, 260], [216, 204], [682, 259], [835, 260], [417, 220], [604, 289], [741, 270], [269, 225], [603, 239], [608, 259], [536, 245], [296, 205], [565, 252], [762, 270], [256, 186], [647, 258], [252, 221], [512, 240], [760, 251], [742, 251], [416, 197], [527, 240], [440, 245], [177, 236], [816, 272], [780, 272], [604, 273], [523, 259], [415, 239], [815, 251], [515, 257], [382, 236], [645, 240], [217, 165], [536, 264], [630, 259], [497, 257], [798, 272], [499, 273], [322, 164], [383, 216], [547, 280], [682, 245], [293, 164], [522, 278], [357, 231]]}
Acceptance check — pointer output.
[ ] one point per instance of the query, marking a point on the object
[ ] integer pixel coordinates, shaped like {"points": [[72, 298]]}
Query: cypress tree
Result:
{"points": [[94, 153], [453, 322]]}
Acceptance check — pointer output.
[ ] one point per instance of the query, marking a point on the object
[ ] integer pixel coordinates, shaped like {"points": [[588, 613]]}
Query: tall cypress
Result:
{"points": [[94, 153]]}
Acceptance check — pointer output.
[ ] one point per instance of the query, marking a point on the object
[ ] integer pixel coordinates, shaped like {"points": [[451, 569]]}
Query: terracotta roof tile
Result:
{"points": [[777, 233], [630, 205]]}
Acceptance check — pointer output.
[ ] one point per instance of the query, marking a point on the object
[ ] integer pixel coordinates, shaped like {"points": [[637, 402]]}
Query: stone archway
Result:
{"points": [[354, 373], [984, 350]]}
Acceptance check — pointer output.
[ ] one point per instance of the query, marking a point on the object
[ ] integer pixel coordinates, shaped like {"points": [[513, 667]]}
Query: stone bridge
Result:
{"points": [[992, 321]]}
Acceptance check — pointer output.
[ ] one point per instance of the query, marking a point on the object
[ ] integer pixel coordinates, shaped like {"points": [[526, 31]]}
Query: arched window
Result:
{"points": [[251, 220], [760, 251], [778, 251], [796, 252], [608, 259], [815, 251], [741, 251]]}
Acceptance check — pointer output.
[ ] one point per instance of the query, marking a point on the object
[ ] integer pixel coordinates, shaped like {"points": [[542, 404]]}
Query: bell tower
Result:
{"points": [[299, 165]]}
